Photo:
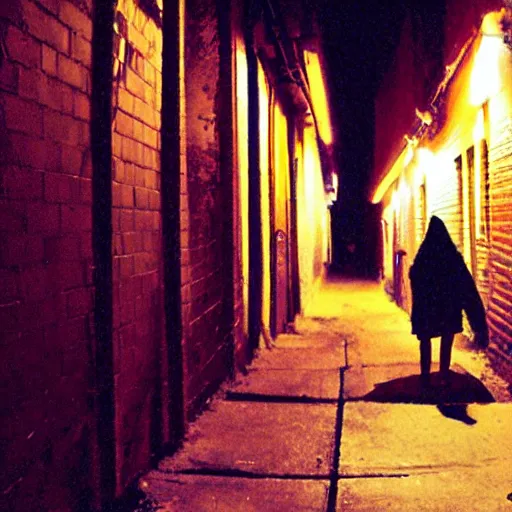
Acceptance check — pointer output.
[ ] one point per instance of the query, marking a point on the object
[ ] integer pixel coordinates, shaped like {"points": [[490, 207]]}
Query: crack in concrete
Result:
{"points": [[420, 469], [373, 475], [333, 487], [235, 396], [384, 365], [240, 473]]}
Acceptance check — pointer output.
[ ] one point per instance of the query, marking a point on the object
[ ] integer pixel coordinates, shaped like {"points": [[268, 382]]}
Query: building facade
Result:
{"points": [[446, 150], [166, 174]]}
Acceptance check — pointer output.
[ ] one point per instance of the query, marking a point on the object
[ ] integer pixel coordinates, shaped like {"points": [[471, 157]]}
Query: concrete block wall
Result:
{"points": [[207, 320], [137, 240], [46, 286]]}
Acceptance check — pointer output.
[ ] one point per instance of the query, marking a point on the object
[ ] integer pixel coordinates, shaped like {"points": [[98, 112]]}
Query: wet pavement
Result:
{"points": [[333, 418]]}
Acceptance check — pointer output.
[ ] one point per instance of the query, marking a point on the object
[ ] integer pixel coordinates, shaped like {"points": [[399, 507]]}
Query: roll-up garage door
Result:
{"points": [[447, 200]]}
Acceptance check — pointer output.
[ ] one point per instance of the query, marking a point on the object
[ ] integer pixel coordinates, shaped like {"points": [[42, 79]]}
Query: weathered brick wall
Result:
{"points": [[45, 253], [207, 349], [137, 272]]}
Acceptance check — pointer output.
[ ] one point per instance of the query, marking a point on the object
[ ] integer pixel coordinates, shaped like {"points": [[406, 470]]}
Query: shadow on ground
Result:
{"points": [[462, 389]]}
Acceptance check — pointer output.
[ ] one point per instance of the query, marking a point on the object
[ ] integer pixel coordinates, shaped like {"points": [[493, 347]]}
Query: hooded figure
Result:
{"points": [[442, 287]]}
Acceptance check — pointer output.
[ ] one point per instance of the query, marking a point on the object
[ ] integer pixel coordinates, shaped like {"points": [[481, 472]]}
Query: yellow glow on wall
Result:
{"points": [[425, 165], [479, 128], [409, 155], [281, 163], [242, 107], [485, 75], [318, 95], [389, 178], [311, 166], [437, 176], [313, 217], [395, 201], [265, 198], [404, 191], [388, 216]]}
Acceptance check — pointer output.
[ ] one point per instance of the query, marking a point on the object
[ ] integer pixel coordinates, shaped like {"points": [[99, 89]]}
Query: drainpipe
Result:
{"points": [[101, 155], [272, 201], [227, 140], [294, 303], [171, 190]]}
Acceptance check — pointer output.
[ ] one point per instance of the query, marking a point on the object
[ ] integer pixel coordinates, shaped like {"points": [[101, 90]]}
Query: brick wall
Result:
{"points": [[137, 235], [47, 345], [207, 349], [45, 253]]}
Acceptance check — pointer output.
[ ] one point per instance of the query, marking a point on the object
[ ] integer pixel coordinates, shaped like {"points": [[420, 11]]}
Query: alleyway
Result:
{"points": [[331, 418]]}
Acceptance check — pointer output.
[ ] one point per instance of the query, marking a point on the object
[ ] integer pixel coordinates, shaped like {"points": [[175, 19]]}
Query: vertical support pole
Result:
{"points": [[226, 116], [294, 298], [272, 213], [101, 147], [171, 134]]}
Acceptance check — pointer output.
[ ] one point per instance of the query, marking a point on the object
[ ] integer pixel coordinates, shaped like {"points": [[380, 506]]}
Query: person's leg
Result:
{"points": [[445, 355], [425, 359]]}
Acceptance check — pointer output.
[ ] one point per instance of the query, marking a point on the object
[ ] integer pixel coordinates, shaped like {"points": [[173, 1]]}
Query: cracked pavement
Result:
{"points": [[332, 418]]}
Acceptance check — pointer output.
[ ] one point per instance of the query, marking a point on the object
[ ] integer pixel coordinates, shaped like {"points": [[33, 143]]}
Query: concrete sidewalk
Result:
{"points": [[332, 418]]}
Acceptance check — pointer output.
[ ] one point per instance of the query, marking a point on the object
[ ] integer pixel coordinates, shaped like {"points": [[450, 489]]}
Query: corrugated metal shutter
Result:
{"points": [[421, 216], [482, 241], [447, 201], [500, 293], [469, 227]]}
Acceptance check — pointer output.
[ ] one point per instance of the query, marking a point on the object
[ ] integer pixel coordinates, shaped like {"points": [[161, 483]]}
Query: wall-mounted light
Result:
{"points": [[319, 95]]}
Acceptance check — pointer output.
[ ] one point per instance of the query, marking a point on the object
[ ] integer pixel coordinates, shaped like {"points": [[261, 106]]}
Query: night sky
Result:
{"points": [[358, 40]]}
